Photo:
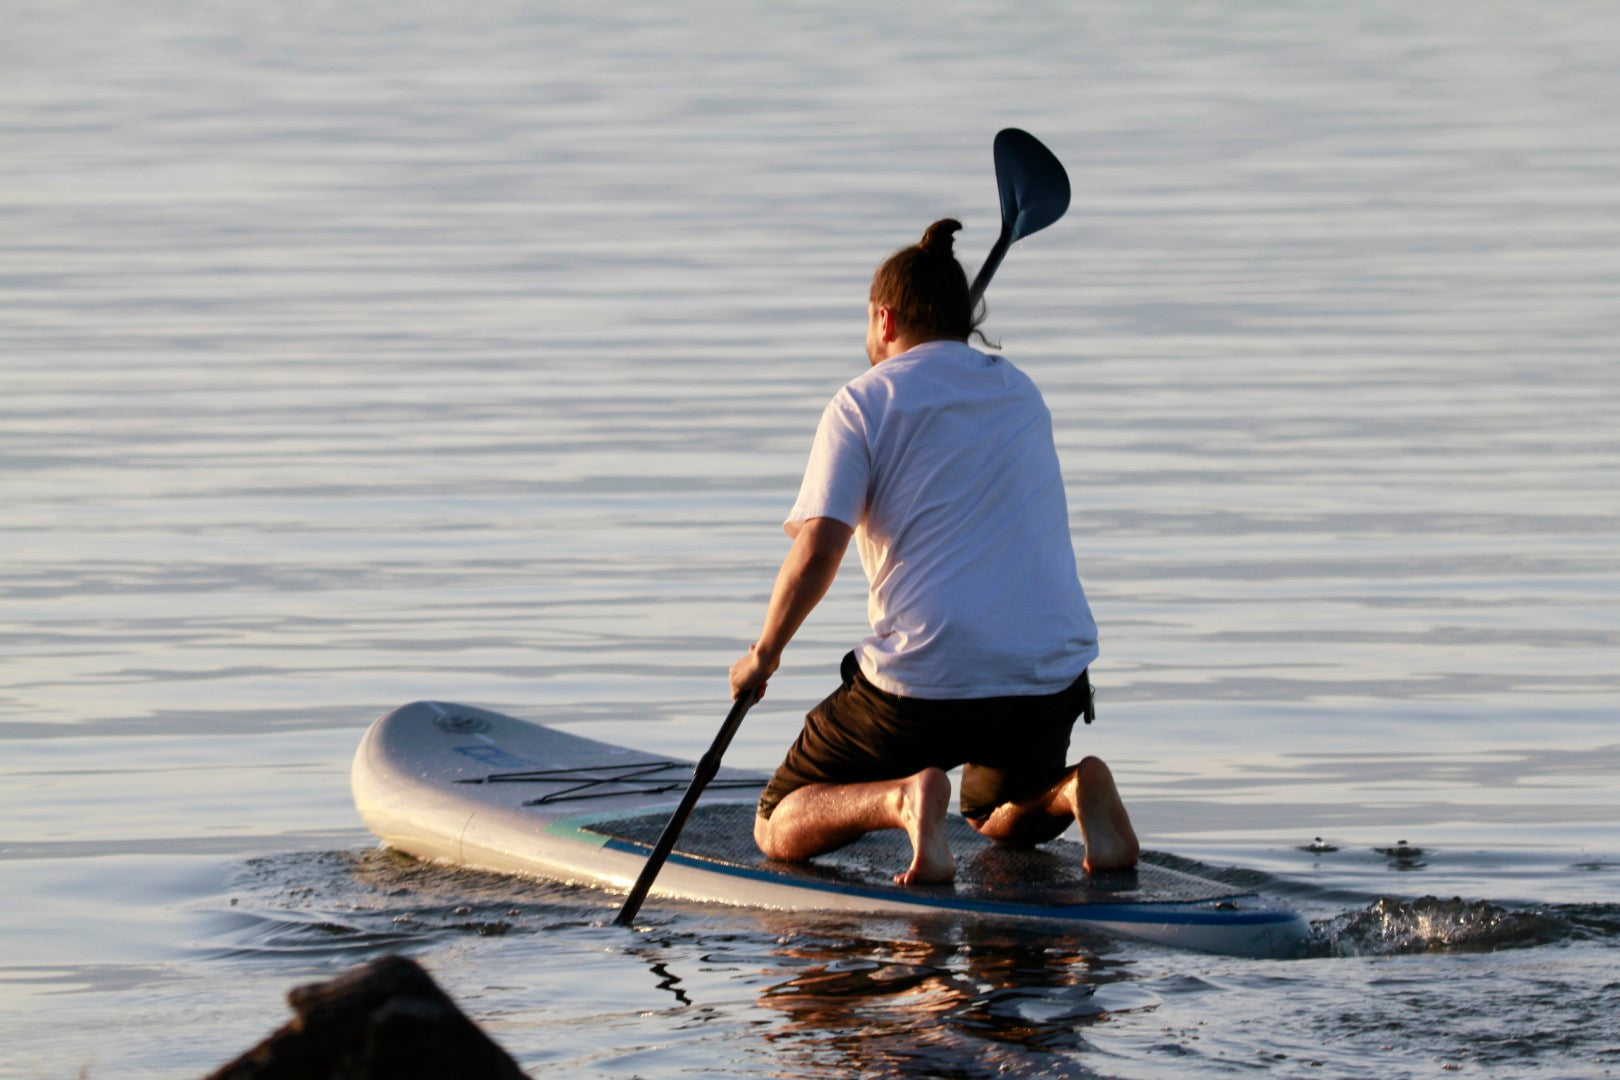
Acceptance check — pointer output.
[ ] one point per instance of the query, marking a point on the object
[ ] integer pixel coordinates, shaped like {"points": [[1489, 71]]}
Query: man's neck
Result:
{"points": [[892, 349]]}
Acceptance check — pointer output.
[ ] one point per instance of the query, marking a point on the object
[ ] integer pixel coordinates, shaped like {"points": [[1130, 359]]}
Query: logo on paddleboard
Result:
{"points": [[451, 724]]}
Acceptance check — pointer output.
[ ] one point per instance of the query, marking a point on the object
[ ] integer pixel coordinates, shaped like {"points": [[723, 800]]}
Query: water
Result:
{"points": [[351, 354]]}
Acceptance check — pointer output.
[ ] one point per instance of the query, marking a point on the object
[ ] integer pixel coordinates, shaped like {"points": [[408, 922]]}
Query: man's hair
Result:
{"points": [[925, 287]]}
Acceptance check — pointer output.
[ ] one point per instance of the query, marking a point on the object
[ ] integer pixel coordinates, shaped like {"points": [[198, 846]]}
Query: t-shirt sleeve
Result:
{"points": [[836, 479]]}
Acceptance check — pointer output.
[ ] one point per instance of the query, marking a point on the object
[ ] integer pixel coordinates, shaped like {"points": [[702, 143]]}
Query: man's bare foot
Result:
{"points": [[1111, 843], [924, 799]]}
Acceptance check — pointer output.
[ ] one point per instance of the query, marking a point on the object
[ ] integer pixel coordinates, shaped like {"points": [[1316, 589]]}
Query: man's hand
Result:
{"points": [[806, 574], [750, 673]]}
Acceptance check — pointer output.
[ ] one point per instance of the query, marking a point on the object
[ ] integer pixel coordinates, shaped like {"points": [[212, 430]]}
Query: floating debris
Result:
{"points": [[1404, 856]]}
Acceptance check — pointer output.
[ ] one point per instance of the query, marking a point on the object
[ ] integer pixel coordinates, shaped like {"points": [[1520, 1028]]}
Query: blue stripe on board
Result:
{"points": [[1146, 912]]}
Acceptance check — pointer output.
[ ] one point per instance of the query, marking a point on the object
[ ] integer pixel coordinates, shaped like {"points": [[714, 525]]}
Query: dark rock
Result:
{"points": [[386, 1020]]}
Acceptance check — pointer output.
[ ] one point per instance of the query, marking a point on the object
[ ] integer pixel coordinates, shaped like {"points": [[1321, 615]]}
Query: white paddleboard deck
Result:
{"points": [[475, 788]]}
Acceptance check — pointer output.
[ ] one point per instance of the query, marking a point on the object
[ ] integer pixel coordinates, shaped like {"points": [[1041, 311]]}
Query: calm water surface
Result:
{"points": [[352, 354]]}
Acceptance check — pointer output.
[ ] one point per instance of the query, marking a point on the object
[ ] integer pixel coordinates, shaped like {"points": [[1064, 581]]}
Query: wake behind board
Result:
{"points": [[475, 788]]}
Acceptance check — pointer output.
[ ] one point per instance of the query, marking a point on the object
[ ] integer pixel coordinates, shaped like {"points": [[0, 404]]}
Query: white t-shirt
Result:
{"points": [[942, 460]]}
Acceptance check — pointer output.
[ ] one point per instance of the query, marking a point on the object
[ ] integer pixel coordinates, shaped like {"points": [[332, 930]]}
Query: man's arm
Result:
{"points": [[806, 575]]}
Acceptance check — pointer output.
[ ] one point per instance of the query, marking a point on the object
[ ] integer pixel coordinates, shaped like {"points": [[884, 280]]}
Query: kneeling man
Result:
{"points": [[939, 460]]}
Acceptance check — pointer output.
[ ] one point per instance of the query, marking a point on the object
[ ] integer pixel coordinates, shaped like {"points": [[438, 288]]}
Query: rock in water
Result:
{"points": [[386, 1019]]}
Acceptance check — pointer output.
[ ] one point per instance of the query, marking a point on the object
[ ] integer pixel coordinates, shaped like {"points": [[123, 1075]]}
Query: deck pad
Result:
{"points": [[1049, 875]]}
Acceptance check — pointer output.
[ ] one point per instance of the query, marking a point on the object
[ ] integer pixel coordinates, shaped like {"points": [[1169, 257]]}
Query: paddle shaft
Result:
{"points": [[708, 765], [992, 261]]}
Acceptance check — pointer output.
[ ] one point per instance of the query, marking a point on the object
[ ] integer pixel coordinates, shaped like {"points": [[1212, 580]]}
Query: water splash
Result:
{"points": [[1392, 927]]}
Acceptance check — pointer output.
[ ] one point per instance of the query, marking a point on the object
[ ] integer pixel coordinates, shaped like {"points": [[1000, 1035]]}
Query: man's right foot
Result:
{"points": [[924, 800]]}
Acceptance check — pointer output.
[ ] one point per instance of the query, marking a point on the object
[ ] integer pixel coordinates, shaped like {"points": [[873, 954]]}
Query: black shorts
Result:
{"points": [[1013, 748]]}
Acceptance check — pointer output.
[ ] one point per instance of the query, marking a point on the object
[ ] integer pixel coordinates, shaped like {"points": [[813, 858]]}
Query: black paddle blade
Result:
{"points": [[1034, 187], [1034, 193]]}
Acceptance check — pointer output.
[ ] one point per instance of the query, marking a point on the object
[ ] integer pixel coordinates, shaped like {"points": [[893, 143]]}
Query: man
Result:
{"points": [[939, 461]]}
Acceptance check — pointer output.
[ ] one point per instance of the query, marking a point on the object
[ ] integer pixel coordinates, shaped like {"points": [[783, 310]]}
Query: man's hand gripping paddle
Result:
{"points": [[1034, 193]]}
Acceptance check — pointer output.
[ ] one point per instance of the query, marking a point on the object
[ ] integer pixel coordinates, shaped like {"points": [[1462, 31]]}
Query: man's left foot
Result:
{"points": [[1111, 843]]}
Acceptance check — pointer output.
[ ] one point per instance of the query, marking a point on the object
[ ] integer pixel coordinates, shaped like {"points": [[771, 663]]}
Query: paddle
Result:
{"points": [[707, 766], [1034, 193]]}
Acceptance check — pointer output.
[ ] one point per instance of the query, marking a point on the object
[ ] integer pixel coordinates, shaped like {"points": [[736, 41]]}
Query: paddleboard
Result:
{"points": [[475, 788]]}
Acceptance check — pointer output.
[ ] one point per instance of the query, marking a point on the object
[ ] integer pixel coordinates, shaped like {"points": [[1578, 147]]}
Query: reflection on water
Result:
{"points": [[836, 996], [890, 997], [907, 1004]]}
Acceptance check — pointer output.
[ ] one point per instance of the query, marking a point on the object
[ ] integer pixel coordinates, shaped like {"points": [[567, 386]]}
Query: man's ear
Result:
{"points": [[888, 329]]}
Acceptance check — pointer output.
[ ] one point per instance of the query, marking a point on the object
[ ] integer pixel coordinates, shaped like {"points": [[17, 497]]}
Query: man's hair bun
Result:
{"points": [[939, 238]]}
